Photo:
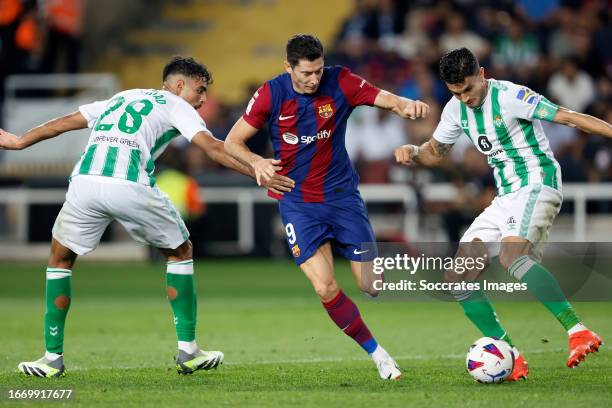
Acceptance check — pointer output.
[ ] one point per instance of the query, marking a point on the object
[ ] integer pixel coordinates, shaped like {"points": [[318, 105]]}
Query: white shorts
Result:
{"points": [[92, 202], [527, 213]]}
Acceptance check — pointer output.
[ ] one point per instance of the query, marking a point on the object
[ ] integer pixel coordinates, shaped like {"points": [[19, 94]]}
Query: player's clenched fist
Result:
{"points": [[405, 154], [415, 109]]}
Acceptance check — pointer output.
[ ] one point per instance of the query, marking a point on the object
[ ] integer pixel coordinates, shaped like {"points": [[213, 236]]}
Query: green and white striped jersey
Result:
{"points": [[507, 129], [131, 130]]}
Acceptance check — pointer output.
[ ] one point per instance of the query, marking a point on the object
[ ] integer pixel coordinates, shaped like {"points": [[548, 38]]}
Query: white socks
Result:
{"points": [[576, 328], [379, 354], [52, 356], [189, 347]]}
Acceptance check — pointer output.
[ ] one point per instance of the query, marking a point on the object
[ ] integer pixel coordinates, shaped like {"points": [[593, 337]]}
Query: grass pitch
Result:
{"points": [[280, 347]]}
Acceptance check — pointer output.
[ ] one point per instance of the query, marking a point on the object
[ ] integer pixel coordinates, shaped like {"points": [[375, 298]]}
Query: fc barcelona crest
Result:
{"points": [[325, 111], [296, 251]]}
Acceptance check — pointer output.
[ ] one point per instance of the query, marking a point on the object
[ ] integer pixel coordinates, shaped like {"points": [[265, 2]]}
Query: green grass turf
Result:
{"points": [[281, 348]]}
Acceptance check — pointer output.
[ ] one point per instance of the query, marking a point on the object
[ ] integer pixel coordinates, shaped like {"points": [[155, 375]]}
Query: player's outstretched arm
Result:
{"points": [[428, 154], [584, 122], [404, 107], [265, 169], [45, 131], [214, 148]]}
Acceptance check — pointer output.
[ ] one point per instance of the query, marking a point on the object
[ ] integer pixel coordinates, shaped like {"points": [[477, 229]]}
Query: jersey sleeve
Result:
{"points": [[448, 129], [524, 103], [258, 109], [357, 90], [187, 120], [92, 111]]}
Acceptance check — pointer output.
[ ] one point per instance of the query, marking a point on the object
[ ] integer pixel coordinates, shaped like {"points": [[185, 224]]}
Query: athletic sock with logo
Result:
{"points": [[182, 297], [480, 311], [345, 314], [546, 289], [57, 298]]}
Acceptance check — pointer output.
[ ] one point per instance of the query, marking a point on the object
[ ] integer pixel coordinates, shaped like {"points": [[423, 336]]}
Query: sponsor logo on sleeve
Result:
{"points": [[527, 95], [543, 112]]}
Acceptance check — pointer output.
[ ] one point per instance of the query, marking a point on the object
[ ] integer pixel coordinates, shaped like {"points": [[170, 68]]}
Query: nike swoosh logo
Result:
{"points": [[281, 117], [356, 252]]}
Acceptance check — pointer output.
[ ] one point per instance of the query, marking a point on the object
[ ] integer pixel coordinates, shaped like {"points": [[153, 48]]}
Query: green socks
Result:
{"points": [[545, 288], [57, 295], [181, 293], [479, 310], [182, 297]]}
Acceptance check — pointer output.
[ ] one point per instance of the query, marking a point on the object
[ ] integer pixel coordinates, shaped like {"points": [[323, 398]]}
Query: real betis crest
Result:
{"points": [[542, 112], [464, 123], [498, 121], [325, 111]]}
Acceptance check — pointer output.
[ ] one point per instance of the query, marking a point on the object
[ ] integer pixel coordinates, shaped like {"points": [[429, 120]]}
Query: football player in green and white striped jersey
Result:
{"points": [[502, 120], [114, 180]]}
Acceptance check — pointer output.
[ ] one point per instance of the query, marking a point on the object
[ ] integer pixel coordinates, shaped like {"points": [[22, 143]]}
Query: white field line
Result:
{"points": [[303, 361]]}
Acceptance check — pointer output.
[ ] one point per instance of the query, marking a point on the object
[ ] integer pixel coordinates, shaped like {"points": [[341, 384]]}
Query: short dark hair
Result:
{"points": [[187, 66], [303, 46], [457, 64]]}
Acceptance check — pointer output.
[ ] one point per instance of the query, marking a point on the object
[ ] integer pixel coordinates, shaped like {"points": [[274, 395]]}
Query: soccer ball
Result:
{"points": [[489, 360]]}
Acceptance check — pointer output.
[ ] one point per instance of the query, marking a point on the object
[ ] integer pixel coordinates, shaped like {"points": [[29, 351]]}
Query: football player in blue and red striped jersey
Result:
{"points": [[306, 109]]}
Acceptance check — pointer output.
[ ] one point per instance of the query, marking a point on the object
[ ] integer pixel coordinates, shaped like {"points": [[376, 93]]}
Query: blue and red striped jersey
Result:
{"points": [[307, 131]]}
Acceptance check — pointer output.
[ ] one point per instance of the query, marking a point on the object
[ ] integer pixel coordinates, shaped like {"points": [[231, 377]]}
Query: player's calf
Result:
{"points": [[366, 278]]}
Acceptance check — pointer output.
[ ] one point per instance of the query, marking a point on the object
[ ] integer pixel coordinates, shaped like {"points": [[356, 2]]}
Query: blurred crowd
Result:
{"points": [[39, 37], [560, 48]]}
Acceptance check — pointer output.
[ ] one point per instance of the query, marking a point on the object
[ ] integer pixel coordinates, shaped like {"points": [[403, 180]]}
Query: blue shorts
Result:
{"points": [[344, 222]]}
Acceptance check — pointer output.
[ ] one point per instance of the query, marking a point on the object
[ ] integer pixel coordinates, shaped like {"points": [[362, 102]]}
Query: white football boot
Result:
{"points": [[387, 367], [188, 363]]}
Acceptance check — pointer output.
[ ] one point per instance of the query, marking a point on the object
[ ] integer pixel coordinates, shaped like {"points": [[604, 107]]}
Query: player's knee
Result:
{"points": [[326, 290], [61, 257], [453, 276], [184, 251], [471, 260]]}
